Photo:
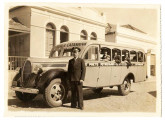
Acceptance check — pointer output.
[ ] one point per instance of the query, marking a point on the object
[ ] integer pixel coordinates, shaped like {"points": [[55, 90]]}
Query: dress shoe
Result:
{"points": [[73, 106], [81, 108]]}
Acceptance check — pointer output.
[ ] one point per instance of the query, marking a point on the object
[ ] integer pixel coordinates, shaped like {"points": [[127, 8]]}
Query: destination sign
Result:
{"points": [[74, 44]]}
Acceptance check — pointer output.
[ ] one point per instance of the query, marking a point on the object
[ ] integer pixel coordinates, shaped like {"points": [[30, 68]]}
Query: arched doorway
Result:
{"points": [[64, 34], [50, 37]]}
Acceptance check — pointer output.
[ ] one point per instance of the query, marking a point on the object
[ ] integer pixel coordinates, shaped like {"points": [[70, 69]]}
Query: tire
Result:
{"points": [[25, 97], [125, 88], [97, 90], [55, 93]]}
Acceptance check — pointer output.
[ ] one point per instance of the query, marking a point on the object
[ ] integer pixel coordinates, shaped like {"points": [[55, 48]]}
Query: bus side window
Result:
{"points": [[140, 56], [92, 53], [105, 54], [116, 55], [133, 56], [125, 54]]}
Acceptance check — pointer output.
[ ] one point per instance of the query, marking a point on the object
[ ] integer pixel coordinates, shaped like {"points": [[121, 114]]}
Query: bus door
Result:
{"points": [[141, 73], [133, 59], [105, 67], [90, 57], [116, 68]]}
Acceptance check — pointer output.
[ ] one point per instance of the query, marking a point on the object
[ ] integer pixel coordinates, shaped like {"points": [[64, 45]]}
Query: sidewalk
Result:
{"points": [[151, 79]]}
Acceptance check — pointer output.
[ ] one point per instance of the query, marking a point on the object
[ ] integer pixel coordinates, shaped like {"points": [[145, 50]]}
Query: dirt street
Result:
{"points": [[142, 98]]}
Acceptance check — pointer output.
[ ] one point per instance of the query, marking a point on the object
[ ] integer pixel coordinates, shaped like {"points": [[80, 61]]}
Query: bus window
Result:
{"points": [[140, 56], [116, 55], [133, 56], [105, 54], [125, 54], [92, 53], [67, 53]]}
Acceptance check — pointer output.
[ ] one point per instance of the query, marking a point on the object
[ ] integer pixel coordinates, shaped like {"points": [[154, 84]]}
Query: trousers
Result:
{"points": [[76, 94]]}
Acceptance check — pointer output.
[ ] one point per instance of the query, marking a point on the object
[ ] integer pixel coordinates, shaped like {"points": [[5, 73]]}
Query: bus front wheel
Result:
{"points": [[124, 89], [55, 93]]}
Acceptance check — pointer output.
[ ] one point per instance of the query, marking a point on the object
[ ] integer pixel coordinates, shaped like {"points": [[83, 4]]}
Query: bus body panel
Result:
{"points": [[115, 75], [124, 72], [133, 69], [141, 73], [105, 73], [92, 74]]}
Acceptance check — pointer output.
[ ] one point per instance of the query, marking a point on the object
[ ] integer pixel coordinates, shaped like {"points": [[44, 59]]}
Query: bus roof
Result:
{"points": [[89, 42]]}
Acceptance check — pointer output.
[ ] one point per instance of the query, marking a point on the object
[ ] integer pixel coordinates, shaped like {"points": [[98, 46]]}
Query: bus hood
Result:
{"points": [[49, 60]]}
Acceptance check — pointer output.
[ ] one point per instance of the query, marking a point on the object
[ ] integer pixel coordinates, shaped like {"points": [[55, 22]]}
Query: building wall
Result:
{"points": [[110, 37], [19, 45], [39, 20]]}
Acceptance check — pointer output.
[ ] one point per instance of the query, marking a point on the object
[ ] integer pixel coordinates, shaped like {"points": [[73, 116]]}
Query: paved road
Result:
{"points": [[141, 99]]}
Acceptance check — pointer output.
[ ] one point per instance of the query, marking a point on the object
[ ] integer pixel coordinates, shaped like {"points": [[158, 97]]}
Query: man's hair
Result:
{"points": [[76, 49]]}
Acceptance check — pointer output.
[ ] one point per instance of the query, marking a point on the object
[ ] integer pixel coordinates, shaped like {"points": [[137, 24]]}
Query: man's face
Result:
{"points": [[105, 53], [75, 53], [140, 55], [115, 53], [126, 54]]}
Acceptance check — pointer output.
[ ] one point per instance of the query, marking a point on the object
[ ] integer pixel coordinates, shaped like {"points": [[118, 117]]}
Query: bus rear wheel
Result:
{"points": [[97, 90], [124, 89]]}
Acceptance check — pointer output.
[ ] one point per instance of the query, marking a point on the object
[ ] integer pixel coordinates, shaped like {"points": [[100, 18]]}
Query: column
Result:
{"points": [[57, 37], [148, 63]]}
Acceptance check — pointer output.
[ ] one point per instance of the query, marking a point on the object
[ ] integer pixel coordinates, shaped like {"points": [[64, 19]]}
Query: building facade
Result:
{"points": [[129, 35], [48, 26]]}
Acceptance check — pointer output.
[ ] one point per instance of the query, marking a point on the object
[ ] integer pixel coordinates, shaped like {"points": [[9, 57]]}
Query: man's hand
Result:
{"points": [[81, 81]]}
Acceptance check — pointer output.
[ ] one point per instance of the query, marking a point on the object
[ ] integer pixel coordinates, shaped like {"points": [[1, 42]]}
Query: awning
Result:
{"points": [[15, 26]]}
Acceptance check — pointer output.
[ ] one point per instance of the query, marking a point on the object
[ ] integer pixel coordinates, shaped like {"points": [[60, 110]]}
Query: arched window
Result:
{"points": [[64, 34], [83, 35], [93, 36], [50, 37]]}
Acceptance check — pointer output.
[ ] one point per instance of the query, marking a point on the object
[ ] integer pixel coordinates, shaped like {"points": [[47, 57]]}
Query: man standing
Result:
{"points": [[127, 60], [76, 75], [117, 58]]}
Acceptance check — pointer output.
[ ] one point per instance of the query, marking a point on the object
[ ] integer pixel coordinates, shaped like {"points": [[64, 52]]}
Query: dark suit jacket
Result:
{"points": [[117, 59], [76, 69]]}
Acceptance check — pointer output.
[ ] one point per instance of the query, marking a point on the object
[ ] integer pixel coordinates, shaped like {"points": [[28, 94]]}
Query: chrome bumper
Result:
{"points": [[25, 90]]}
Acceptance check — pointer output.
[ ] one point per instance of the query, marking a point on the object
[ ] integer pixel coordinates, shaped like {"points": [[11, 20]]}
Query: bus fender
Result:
{"points": [[49, 75], [130, 76]]}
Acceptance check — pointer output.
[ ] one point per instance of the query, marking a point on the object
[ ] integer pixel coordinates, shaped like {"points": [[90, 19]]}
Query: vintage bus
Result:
{"points": [[48, 76]]}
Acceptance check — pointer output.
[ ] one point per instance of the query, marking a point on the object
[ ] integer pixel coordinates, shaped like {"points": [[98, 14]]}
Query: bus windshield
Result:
{"points": [[55, 52]]}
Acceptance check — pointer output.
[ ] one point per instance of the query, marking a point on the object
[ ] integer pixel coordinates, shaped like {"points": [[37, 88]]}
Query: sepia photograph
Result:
{"points": [[64, 59]]}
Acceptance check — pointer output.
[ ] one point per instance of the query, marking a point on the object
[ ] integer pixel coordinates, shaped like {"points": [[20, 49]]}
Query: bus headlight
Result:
{"points": [[18, 69], [37, 69]]}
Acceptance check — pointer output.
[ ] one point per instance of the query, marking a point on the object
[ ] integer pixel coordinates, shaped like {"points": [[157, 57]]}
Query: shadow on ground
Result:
{"points": [[39, 102], [153, 93]]}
